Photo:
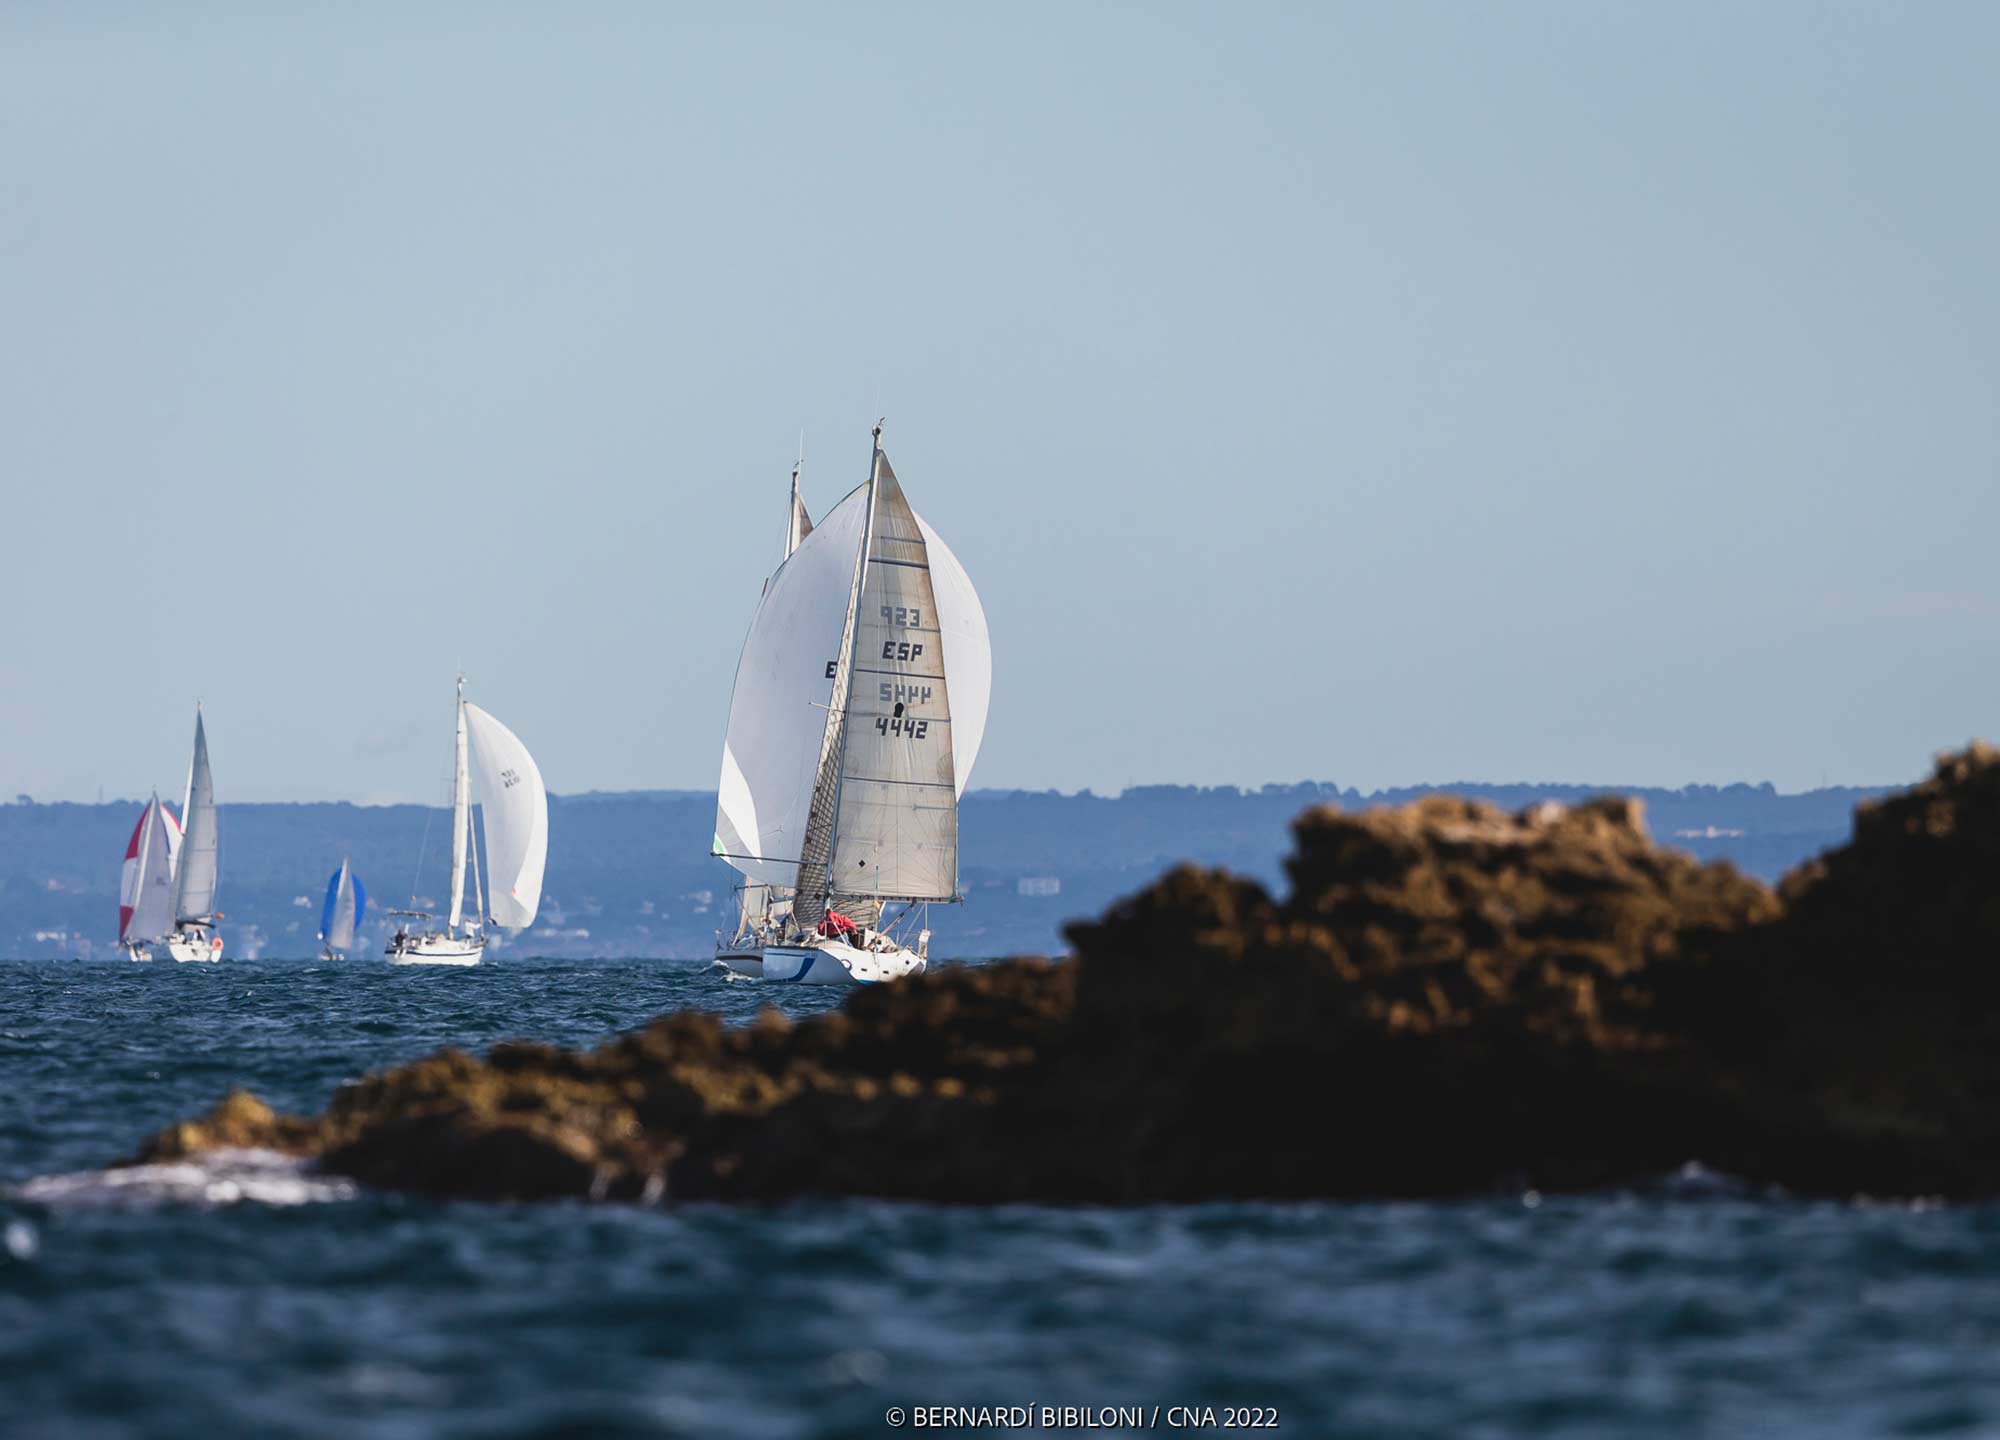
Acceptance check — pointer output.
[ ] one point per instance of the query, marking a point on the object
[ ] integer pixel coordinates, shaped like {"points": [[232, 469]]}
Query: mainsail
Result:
{"points": [[515, 808], [145, 889], [195, 877], [346, 903]]}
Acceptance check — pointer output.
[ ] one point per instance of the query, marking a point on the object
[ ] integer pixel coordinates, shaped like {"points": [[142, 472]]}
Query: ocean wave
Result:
{"points": [[225, 1177]]}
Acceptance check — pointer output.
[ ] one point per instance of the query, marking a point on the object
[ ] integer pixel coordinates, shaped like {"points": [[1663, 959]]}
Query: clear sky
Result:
{"points": [[1369, 393]]}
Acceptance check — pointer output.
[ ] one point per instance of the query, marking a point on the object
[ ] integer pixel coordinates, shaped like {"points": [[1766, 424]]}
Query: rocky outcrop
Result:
{"points": [[1450, 997]]}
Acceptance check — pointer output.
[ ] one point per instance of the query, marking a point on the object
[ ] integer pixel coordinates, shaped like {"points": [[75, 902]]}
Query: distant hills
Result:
{"points": [[629, 873]]}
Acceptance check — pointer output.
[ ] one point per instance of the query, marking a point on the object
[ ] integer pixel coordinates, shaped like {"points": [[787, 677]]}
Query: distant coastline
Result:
{"points": [[630, 875]]}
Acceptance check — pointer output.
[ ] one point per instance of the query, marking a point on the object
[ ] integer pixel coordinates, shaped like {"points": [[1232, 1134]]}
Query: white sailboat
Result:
{"points": [[516, 809], [146, 888], [859, 707], [198, 869], [346, 903]]}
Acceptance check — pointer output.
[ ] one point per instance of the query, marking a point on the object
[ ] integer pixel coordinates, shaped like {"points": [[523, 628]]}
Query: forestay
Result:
{"points": [[515, 806]]}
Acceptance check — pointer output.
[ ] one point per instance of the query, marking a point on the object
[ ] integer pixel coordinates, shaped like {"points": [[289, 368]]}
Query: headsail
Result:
{"points": [[515, 807], [145, 889], [196, 876], [896, 819], [346, 903]]}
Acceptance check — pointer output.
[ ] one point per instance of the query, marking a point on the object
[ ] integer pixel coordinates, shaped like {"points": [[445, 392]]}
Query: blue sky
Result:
{"points": [[1375, 394]]}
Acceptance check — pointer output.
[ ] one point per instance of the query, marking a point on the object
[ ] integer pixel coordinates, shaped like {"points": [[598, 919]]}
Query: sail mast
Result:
{"points": [[792, 536], [461, 784], [810, 894]]}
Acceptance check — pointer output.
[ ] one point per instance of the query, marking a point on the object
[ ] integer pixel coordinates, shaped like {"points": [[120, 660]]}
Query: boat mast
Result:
{"points": [[792, 536], [461, 781]]}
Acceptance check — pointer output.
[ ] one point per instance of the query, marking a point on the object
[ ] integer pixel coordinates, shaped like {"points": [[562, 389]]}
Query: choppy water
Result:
{"points": [[244, 1300]]}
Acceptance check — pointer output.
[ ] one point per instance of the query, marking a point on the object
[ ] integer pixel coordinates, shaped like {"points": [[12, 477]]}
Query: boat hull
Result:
{"points": [[196, 943], [435, 950], [835, 962], [135, 951], [744, 960]]}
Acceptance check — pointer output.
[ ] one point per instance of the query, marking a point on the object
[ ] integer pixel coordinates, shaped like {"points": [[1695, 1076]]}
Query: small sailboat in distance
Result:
{"points": [[346, 903], [146, 888], [198, 870], [515, 805], [859, 706]]}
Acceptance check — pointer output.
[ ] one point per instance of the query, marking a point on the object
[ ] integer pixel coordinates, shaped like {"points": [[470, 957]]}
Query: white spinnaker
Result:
{"points": [[195, 877], [515, 807], [340, 936], [968, 652], [896, 820], [777, 713]]}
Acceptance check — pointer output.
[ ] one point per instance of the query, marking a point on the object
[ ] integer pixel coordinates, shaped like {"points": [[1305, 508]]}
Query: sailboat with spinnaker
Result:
{"points": [[346, 903], [515, 805], [146, 886], [858, 710]]}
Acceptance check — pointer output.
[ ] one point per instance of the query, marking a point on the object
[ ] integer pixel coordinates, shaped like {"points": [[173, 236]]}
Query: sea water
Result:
{"points": [[247, 1297]]}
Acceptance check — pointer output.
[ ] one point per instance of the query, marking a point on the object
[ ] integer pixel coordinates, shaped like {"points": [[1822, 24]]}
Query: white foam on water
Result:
{"points": [[222, 1177]]}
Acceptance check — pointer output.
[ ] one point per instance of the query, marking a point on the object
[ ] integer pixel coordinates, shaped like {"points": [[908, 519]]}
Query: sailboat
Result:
{"points": [[516, 808], [763, 910], [346, 903], [197, 871], [859, 706], [145, 890]]}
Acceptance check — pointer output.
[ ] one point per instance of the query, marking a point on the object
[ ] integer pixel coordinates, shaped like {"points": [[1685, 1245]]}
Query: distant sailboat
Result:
{"points": [[146, 889], [346, 903], [516, 807], [859, 706], [196, 874]]}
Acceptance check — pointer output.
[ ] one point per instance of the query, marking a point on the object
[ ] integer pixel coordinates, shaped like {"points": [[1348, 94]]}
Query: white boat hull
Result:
{"points": [[835, 962], [136, 951], [194, 944], [435, 950]]}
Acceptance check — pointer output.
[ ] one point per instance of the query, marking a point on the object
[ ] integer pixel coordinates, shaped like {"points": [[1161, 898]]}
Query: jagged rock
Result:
{"points": [[1450, 997]]}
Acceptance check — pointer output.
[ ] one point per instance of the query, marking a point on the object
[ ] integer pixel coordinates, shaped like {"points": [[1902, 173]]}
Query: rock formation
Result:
{"points": [[1450, 998]]}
